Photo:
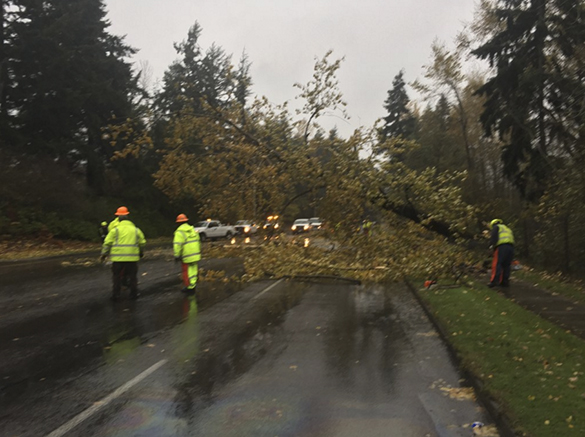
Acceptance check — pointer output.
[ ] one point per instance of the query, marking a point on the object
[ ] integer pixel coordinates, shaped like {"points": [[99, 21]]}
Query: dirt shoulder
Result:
{"points": [[16, 249], [26, 248]]}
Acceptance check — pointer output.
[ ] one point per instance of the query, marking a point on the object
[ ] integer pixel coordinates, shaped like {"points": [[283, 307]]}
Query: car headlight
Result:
{"points": [[306, 227], [276, 226], [294, 227], [246, 229]]}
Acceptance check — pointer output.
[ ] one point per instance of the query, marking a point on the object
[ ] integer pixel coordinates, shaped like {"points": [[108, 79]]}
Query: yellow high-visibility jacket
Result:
{"points": [[124, 242], [113, 224], [186, 244], [505, 235]]}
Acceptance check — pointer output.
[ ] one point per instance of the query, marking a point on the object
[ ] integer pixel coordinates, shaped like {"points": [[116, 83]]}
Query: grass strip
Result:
{"points": [[531, 367]]}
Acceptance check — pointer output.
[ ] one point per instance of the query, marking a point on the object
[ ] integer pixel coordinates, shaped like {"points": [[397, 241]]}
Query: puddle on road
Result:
{"points": [[88, 335], [333, 362], [360, 327]]}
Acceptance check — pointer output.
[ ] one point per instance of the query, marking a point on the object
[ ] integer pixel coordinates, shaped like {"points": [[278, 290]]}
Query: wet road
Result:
{"points": [[273, 358]]}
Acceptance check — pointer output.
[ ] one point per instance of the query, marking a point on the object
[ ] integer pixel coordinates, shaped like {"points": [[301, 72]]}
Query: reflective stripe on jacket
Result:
{"points": [[505, 235], [124, 242], [186, 244]]}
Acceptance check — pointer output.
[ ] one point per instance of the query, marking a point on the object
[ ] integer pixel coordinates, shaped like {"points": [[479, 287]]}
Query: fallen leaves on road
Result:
{"points": [[486, 431], [427, 334], [459, 393]]}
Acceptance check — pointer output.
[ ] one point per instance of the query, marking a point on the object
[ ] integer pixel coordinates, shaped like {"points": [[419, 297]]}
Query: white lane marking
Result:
{"points": [[268, 288], [65, 428]]}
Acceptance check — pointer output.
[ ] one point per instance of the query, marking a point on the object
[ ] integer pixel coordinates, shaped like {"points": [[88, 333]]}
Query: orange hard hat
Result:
{"points": [[122, 211], [182, 218]]}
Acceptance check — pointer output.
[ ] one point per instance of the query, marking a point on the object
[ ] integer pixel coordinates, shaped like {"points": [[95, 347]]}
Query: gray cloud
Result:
{"points": [[283, 38]]}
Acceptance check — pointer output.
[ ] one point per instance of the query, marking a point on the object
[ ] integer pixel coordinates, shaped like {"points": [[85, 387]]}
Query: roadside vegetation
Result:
{"points": [[533, 369]]}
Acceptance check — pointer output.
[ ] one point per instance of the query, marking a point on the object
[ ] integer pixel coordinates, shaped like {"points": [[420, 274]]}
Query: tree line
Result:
{"points": [[502, 139]]}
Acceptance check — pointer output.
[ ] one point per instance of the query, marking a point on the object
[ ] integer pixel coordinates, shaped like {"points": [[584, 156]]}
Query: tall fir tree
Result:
{"points": [[5, 48], [438, 147], [399, 122], [70, 79], [530, 50], [198, 76], [243, 85]]}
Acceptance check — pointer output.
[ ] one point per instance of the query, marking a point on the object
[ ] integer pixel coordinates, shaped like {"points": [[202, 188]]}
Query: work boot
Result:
{"points": [[185, 290], [492, 285]]}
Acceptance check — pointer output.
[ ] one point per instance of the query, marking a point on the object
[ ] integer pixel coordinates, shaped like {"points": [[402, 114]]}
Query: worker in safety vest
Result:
{"points": [[103, 230], [367, 227], [125, 245], [502, 243], [187, 251]]}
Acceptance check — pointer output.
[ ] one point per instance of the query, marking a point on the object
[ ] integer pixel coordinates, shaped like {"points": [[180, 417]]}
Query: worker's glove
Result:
{"points": [[141, 254], [177, 259], [103, 258]]}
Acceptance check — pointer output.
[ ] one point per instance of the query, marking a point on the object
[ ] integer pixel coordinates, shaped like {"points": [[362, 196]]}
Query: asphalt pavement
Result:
{"points": [[275, 357], [549, 305]]}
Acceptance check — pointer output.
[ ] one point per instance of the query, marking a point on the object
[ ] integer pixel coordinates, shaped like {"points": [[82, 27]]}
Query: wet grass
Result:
{"points": [[531, 367]]}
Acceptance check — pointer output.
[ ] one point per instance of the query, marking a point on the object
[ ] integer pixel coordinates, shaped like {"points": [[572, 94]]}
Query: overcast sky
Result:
{"points": [[378, 38]]}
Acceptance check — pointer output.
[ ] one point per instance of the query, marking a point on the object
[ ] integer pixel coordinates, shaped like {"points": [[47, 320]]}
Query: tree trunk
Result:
{"points": [[539, 37], [3, 65]]}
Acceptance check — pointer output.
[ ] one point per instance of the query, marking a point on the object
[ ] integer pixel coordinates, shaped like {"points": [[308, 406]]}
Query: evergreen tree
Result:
{"points": [[530, 49], [198, 77], [70, 80], [6, 45], [243, 84], [399, 122], [3, 56], [438, 147]]}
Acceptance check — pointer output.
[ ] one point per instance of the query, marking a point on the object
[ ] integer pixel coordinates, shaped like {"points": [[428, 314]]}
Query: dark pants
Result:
{"points": [[121, 270], [501, 264]]}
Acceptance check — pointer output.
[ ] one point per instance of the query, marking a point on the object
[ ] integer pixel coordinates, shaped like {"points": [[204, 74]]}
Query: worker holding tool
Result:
{"points": [[187, 251], [502, 243]]}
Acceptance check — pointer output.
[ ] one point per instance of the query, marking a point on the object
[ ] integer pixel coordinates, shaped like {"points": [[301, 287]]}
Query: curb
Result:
{"points": [[495, 410]]}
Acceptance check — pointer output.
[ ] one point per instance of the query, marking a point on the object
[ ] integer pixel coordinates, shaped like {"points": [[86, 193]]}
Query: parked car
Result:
{"points": [[213, 229], [245, 227], [316, 223], [301, 225]]}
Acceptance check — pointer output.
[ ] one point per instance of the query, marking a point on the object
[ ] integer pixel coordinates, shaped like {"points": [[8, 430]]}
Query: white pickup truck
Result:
{"points": [[213, 229]]}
